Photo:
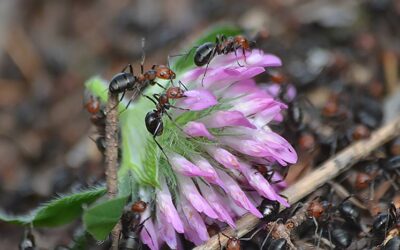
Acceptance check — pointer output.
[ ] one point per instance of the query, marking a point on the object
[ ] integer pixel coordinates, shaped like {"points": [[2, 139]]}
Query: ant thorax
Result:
{"points": [[150, 75]]}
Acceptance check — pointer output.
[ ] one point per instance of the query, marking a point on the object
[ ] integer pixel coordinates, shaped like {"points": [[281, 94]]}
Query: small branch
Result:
{"points": [[111, 153], [327, 171], [111, 157]]}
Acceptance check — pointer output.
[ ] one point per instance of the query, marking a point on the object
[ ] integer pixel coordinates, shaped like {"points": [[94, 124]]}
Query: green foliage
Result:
{"points": [[101, 218], [57, 212], [186, 61]]}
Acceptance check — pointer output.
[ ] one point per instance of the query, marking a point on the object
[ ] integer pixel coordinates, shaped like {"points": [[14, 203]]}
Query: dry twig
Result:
{"points": [[111, 157], [327, 171]]}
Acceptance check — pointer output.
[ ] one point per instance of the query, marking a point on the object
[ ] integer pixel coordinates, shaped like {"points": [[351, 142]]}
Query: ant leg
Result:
{"points": [[169, 66], [237, 59], [142, 223], [160, 85], [252, 235], [330, 239], [394, 185], [316, 227], [143, 55], [151, 99], [263, 243], [120, 99], [158, 144], [283, 177], [172, 120], [270, 173], [319, 238], [156, 96], [296, 208], [183, 85], [184, 54], [175, 107], [219, 242], [269, 233], [122, 96], [244, 55], [208, 63], [372, 190], [130, 68]]}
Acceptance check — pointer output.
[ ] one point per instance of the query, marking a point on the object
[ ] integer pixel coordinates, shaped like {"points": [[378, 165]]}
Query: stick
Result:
{"points": [[327, 171], [111, 157]]}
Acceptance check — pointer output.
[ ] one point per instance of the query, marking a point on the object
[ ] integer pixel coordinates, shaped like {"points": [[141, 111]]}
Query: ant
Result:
{"points": [[98, 118], [153, 119], [98, 115], [127, 81], [131, 225], [385, 220], [223, 45]]}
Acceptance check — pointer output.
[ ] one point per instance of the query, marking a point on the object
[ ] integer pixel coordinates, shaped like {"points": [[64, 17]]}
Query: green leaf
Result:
{"points": [[100, 219], [139, 152], [15, 219], [57, 212], [184, 62]]}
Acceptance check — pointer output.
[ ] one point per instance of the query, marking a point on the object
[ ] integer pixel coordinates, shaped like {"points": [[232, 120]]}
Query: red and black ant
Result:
{"points": [[127, 81], [223, 45], [131, 225], [153, 119]]}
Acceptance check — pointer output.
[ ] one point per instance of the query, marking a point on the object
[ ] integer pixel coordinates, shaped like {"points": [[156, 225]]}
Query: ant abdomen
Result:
{"points": [[122, 82], [154, 123], [204, 53]]}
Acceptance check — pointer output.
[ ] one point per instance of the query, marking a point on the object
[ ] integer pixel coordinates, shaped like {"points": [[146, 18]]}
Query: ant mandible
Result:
{"points": [[127, 81]]}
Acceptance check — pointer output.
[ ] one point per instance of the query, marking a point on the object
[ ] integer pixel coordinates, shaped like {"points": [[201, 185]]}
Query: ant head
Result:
{"points": [[233, 244], [362, 180], [252, 44], [166, 73], [139, 207], [93, 105], [175, 93], [315, 209]]}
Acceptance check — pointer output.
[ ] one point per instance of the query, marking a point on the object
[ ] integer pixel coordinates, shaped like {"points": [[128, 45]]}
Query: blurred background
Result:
{"points": [[49, 48]]}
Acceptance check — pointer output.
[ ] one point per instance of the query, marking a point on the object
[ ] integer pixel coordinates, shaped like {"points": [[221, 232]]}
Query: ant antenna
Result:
{"points": [[169, 66], [143, 55]]}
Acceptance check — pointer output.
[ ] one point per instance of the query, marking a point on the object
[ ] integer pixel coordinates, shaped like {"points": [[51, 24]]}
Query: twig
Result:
{"points": [[327, 171], [111, 153], [111, 157]]}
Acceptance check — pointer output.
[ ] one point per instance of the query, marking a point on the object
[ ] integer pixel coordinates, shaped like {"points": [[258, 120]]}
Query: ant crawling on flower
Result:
{"points": [[153, 120], [128, 81], [223, 45]]}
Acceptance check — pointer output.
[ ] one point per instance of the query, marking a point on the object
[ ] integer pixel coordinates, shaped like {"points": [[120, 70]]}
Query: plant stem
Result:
{"points": [[327, 171], [111, 157]]}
